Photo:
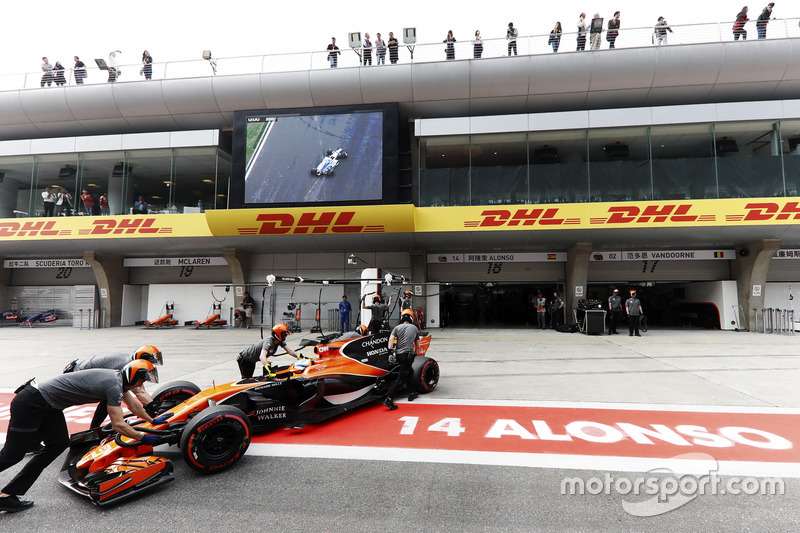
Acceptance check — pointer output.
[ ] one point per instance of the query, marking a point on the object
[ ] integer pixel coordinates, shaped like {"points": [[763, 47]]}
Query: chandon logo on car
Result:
{"points": [[374, 341]]}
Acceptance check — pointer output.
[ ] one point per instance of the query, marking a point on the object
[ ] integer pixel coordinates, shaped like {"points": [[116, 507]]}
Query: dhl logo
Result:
{"points": [[31, 229], [521, 217], [124, 226], [760, 211], [309, 222], [626, 214]]}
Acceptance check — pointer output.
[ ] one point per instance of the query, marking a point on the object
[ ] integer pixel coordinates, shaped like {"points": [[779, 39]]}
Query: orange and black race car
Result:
{"points": [[213, 427]]}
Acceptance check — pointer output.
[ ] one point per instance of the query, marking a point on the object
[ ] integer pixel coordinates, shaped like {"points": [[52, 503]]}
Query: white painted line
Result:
{"points": [[529, 460]]}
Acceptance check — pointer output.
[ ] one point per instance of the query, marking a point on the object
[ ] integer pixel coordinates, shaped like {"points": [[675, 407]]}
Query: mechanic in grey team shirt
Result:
{"points": [[117, 361], [263, 350], [407, 336], [37, 413]]}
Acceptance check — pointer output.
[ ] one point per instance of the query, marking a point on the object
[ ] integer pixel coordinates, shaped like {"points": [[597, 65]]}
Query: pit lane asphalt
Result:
{"points": [[677, 367]]}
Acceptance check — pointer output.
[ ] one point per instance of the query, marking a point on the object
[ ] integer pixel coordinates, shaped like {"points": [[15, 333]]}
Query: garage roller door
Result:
{"points": [[616, 271], [496, 271]]}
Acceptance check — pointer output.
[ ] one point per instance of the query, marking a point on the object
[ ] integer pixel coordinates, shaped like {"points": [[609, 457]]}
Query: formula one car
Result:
{"points": [[213, 428], [46, 316], [329, 163], [12, 315]]}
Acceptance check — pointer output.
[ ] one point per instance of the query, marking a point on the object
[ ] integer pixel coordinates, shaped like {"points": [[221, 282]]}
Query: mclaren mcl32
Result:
{"points": [[213, 427]]}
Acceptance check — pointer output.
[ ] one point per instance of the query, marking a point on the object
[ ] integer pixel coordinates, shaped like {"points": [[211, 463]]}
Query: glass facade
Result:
{"points": [[638, 163], [169, 179]]}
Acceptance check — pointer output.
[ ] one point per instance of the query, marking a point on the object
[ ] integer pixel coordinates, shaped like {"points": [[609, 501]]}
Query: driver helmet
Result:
{"points": [[362, 330], [376, 298], [407, 294], [280, 332], [138, 370], [149, 353], [407, 316]]}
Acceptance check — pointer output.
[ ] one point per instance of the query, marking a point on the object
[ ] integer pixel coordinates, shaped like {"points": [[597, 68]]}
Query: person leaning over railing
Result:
{"points": [[79, 71], [660, 31], [763, 20]]}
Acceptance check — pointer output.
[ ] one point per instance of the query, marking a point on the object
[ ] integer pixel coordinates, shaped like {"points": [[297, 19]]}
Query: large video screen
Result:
{"points": [[342, 155]]}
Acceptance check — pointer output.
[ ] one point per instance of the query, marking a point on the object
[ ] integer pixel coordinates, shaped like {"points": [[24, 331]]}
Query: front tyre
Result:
{"points": [[216, 439], [171, 394], [425, 375]]}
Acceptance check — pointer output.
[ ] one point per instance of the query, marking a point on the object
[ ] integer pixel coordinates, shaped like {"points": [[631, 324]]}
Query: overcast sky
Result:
{"points": [[182, 29]]}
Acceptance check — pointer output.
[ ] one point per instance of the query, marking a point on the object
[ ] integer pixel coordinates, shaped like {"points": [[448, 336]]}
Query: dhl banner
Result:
{"points": [[104, 227], [313, 220], [683, 213], [408, 219]]}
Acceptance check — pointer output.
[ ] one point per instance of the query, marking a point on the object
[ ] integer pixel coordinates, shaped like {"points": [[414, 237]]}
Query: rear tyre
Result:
{"points": [[216, 439], [425, 375], [171, 394]]}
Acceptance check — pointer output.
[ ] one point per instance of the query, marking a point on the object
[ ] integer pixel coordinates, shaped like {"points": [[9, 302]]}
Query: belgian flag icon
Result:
{"points": [[719, 255]]}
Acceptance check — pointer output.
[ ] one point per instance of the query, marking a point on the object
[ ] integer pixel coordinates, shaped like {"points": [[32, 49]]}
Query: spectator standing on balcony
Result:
{"points": [[113, 72], [147, 65], [595, 31], [103, 201], [511, 36], [47, 72], [79, 71], [477, 45], [333, 53], [763, 20], [367, 47], [49, 201], [141, 207], [380, 50], [450, 46], [581, 33], [88, 202], [555, 37], [392, 45], [660, 31], [58, 74], [613, 30], [738, 25], [65, 201]]}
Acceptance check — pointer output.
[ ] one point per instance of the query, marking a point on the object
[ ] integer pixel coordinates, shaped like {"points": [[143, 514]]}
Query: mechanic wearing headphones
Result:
{"points": [[360, 331], [407, 336], [117, 361], [405, 300], [264, 349], [379, 310], [37, 413]]}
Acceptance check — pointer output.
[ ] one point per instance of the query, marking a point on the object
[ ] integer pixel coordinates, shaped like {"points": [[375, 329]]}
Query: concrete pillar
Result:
{"points": [[110, 276], [577, 272], [419, 274], [750, 268], [5, 281], [237, 263]]}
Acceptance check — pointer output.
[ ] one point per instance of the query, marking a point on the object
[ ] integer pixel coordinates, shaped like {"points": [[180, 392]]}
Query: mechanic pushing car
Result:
{"points": [[407, 336], [37, 413], [263, 350], [117, 361]]}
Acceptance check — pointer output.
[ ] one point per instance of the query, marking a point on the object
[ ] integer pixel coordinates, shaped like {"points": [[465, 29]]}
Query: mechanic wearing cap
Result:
{"points": [[37, 413], [407, 336], [614, 312], [634, 308], [405, 300], [379, 310], [263, 350], [344, 314], [117, 361]]}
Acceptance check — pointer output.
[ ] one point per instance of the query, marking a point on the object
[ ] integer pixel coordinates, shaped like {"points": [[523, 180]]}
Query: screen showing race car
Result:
{"points": [[312, 156]]}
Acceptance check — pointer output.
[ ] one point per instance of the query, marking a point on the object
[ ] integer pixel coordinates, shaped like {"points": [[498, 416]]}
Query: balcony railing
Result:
{"points": [[686, 34]]}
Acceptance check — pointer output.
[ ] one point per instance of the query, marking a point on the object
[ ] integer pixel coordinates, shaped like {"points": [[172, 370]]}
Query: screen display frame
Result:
{"points": [[389, 166]]}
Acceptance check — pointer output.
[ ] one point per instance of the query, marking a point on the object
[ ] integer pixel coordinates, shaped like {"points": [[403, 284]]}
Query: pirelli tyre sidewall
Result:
{"points": [[425, 375], [216, 439], [171, 394]]}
